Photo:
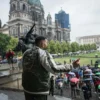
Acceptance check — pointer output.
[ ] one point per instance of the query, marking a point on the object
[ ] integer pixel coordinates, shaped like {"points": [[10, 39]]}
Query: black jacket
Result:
{"points": [[37, 65]]}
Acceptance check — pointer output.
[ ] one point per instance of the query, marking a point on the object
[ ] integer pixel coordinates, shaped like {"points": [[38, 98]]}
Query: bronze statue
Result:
{"points": [[26, 42]]}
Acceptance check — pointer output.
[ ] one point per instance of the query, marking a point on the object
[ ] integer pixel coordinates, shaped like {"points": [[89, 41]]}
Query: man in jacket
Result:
{"points": [[37, 64]]}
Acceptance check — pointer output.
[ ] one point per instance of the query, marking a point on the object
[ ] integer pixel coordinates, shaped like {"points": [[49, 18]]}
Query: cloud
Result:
{"points": [[4, 10], [84, 15]]}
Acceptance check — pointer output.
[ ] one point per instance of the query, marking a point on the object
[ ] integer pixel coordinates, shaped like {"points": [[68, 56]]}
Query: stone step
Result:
{"points": [[6, 66], [10, 78], [7, 72]]}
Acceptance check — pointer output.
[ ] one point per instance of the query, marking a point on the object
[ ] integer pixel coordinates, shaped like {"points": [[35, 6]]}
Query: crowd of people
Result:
{"points": [[83, 80]]}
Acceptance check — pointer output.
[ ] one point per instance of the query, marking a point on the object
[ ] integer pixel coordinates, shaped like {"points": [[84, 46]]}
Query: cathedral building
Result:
{"points": [[24, 13]]}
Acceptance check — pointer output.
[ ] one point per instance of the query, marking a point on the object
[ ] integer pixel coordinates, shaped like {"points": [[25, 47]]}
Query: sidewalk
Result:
{"points": [[6, 66], [11, 95]]}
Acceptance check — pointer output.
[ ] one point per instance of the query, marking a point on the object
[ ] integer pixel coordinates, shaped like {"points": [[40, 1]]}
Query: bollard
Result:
{"points": [[91, 62], [18, 83]]}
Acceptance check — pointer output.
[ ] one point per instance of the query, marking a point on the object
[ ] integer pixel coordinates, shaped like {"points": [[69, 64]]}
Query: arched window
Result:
{"points": [[24, 7], [13, 7]]}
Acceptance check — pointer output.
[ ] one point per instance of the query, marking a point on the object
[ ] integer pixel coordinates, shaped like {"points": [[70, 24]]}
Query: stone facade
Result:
{"points": [[24, 13], [89, 40]]}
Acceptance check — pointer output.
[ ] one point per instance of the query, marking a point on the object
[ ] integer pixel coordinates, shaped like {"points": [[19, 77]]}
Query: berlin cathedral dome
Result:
{"points": [[24, 13], [34, 2]]}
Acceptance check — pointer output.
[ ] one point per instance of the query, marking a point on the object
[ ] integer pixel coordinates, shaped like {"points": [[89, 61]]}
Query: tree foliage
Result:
{"points": [[65, 47], [7, 42], [59, 47], [12, 43], [74, 46], [52, 47], [4, 42]]}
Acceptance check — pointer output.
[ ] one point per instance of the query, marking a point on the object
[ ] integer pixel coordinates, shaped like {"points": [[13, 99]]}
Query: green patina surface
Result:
{"points": [[34, 2]]}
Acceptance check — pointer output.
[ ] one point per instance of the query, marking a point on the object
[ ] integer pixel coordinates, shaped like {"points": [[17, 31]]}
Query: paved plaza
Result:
{"points": [[10, 95]]}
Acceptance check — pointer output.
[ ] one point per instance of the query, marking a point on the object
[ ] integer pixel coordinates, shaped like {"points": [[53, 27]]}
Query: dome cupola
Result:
{"points": [[34, 2]]}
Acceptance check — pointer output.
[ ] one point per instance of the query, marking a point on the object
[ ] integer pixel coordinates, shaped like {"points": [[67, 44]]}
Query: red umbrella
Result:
{"points": [[74, 80]]}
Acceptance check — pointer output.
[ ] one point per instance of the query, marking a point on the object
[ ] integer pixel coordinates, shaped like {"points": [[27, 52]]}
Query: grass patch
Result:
{"points": [[83, 58], [83, 61], [91, 54]]}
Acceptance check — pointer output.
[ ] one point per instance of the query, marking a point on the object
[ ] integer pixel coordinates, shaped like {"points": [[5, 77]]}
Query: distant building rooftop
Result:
{"points": [[61, 11], [89, 36]]}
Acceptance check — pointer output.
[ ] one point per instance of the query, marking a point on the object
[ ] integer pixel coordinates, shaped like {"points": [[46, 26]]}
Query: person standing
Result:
{"points": [[9, 56], [86, 91], [52, 85], [37, 64], [73, 89], [88, 83]]}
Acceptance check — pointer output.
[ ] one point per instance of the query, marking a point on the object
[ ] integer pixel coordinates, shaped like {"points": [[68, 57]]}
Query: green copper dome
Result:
{"points": [[49, 15], [34, 2], [61, 11]]}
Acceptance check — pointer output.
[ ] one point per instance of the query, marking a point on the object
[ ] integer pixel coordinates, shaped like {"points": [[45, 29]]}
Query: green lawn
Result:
{"points": [[91, 54], [83, 61]]}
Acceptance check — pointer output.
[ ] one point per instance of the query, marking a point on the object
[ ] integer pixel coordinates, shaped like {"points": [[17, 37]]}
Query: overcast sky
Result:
{"points": [[84, 14]]}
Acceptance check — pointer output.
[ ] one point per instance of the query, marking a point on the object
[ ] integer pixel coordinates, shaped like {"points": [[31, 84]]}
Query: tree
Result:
{"points": [[48, 48], [12, 43], [64, 47], [4, 41], [93, 46], [58, 47], [52, 47], [74, 46], [82, 48], [69, 47], [89, 46]]}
